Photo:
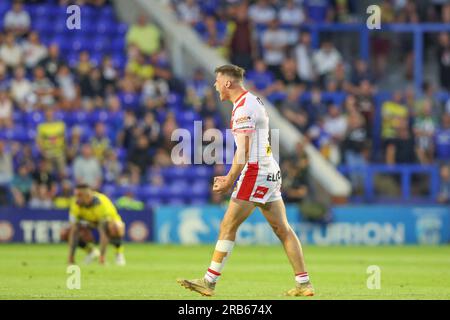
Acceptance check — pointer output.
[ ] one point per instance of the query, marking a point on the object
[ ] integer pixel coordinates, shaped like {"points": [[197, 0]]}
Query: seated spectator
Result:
{"points": [[293, 112], [43, 178], [92, 85], [100, 141], [64, 198], [365, 98], [444, 186], [84, 64], [335, 123], [41, 199], [316, 106], [17, 20], [295, 179], [424, 130], [394, 114], [360, 72], [50, 140], [21, 88], [74, 145], [322, 140], [189, 11], [292, 16], [112, 168], [34, 51], [43, 90], [21, 186], [197, 89], [326, 60], [110, 73], [6, 172], [11, 53], [87, 169], [215, 37], [355, 148], [274, 42], [69, 90], [129, 202], [402, 148], [145, 35], [140, 67], [260, 79], [303, 53], [442, 140], [151, 128], [6, 111], [125, 137], [52, 62], [261, 13], [139, 158], [288, 77]]}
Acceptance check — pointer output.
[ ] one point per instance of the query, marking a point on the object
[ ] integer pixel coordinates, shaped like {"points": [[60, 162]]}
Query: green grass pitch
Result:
{"points": [[253, 272]]}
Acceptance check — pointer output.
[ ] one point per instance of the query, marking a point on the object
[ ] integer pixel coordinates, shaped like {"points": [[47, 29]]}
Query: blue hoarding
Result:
{"points": [[351, 225], [44, 226]]}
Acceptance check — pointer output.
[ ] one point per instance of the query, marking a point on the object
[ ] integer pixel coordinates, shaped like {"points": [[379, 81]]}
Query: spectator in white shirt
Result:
{"points": [[335, 123], [17, 20], [326, 59], [274, 42], [261, 12], [189, 11], [292, 16], [10, 52], [34, 51], [304, 58], [20, 87]]}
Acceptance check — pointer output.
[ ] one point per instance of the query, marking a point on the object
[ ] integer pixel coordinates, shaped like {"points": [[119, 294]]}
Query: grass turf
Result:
{"points": [[253, 272]]}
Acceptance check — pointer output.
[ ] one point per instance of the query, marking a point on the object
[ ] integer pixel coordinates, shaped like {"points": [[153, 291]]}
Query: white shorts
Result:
{"points": [[259, 182]]}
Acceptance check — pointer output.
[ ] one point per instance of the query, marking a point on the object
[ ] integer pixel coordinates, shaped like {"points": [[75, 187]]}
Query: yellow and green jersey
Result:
{"points": [[101, 209]]}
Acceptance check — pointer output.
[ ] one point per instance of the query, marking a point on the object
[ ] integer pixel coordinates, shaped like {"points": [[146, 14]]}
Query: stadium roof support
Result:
{"points": [[188, 52]]}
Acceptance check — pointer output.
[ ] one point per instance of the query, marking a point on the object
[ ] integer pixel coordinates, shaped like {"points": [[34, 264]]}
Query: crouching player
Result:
{"points": [[92, 209]]}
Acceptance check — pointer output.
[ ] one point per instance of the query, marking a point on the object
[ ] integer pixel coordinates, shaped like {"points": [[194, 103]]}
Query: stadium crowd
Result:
{"points": [[105, 117], [331, 98]]}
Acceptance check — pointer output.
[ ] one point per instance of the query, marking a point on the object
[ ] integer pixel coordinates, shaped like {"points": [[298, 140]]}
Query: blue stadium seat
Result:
{"points": [[34, 118]]}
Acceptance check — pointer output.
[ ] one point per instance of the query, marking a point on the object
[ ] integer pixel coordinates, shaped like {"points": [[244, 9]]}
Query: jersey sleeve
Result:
{"points": [[243, 121], [109, 211]]}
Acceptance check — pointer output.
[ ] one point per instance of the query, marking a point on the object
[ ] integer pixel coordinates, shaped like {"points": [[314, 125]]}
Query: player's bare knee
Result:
{"points": [[281, 231], [227, 230]]}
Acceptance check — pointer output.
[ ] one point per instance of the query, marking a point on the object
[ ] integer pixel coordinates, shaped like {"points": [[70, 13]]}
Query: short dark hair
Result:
{"points": [[231, 70], [82, 186]]}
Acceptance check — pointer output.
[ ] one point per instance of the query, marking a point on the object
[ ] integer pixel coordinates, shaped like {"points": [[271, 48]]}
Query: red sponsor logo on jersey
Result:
{"points": [[260, 192]]}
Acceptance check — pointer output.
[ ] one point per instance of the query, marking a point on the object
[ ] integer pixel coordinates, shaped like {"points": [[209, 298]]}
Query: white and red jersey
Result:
{"points": [[260, 180]]}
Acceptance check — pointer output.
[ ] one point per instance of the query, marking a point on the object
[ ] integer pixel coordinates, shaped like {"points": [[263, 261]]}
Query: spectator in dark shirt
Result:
{"points": [[402, 148], [43, 177], [139, 158], [241, 44], [442, 140]]}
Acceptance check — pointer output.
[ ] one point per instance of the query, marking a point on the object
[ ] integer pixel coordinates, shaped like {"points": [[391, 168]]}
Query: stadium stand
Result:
{"points": [[92, 106], [103, 101]]}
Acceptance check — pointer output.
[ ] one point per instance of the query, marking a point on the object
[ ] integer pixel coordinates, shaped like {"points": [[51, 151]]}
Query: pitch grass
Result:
{"points": [[253, 272]]}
